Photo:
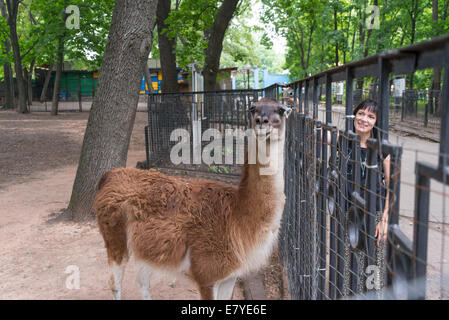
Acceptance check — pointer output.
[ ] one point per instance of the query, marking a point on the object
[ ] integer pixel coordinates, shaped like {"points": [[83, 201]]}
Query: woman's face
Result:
{"points": [[364, 121]]}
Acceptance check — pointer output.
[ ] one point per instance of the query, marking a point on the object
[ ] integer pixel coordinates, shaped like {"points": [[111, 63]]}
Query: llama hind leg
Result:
{"points": [[223, 290], [116, 279], [143, 280]]}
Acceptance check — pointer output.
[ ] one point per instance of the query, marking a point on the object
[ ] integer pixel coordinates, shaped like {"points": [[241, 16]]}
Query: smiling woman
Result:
{"points": [[365, 121], [365, 125]]}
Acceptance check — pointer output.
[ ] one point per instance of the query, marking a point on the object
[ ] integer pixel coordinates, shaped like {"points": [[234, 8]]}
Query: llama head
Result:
{"points": [[269, 116]]}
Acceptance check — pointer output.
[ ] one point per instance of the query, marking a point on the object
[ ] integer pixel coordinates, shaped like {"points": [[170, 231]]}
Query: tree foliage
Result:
{"points": [[321, 34], [40, 24], [191, 22]]}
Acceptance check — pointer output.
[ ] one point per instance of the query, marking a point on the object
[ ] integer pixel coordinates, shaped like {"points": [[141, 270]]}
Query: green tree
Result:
{"points": [[60, 40], [111, 119], [11, 18], [322, 34], [200, 25]]}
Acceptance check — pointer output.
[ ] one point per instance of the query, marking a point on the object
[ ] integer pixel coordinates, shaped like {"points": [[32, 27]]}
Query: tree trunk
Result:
{"points": [[370, 31], [46, 83], [412, 36], [12, 22], [9, 82], [215, 44], [167, 49], [336, 29], [361, 81], [9, 86], [111, 119], [436, 84], [55, 101], [29, 78], [26, 78]]}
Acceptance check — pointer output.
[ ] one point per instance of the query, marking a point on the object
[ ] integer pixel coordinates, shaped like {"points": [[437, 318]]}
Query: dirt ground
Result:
{"points": [[38, 160], [39, 260]]}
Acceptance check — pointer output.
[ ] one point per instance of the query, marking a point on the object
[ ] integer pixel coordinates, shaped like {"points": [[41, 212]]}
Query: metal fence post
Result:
{"points": [[322, 214], [444, 130], [315, 98], [328, 99], [306, 96], [332, 204], [384, 98], [420, 234], [349, 99]]}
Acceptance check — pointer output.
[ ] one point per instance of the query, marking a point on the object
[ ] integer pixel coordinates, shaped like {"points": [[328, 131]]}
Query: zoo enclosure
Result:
{"points": [[327, 241]]}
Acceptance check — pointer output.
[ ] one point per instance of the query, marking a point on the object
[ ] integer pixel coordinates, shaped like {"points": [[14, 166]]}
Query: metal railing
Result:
{"points": [[327, 237]]}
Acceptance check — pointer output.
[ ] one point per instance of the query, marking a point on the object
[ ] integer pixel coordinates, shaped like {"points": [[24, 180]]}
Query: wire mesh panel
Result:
{"points": [[421, 107], [349, 194], [201, 121], [336, 193], [342, 193]]}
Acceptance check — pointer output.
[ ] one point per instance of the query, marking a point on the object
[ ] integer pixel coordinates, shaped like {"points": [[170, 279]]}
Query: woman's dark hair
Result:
{"points": [[372, 106], [368, 104]]}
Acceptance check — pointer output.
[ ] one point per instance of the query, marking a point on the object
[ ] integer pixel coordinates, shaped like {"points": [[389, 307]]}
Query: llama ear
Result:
{"points": [[284, 111], [252, 109]]}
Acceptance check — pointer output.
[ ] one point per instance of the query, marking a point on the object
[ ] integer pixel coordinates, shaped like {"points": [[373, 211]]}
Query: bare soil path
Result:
{"points": [[38, 161]]}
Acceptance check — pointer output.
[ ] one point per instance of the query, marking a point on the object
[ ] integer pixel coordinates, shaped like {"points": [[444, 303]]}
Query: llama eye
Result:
{"points": [[281, 111], [257, 120]]}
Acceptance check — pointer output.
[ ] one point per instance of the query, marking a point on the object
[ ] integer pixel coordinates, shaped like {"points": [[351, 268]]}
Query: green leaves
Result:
{"points": [[191, 25], [339, 27], [40, 25]]}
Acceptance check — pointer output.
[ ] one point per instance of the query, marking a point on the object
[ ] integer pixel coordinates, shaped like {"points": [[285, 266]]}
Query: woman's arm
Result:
{"points": [[382, 226]]}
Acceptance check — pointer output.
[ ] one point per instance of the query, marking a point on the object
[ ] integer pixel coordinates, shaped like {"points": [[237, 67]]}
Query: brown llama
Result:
{"points": [[208, 231]]}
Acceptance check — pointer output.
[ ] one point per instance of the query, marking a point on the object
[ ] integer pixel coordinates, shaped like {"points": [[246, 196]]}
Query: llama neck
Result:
{"points": [[261, 187]]}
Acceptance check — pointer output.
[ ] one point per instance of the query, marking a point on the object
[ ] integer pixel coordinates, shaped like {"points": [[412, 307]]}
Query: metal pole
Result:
{"points": [[444, 131], [306, 97], [421, 230], [349, 99], [328, 99], [384, 98], [315, 98]]}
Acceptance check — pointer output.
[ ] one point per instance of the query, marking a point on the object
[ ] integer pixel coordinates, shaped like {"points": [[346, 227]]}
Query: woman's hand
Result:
{"points": [[382, 228]]}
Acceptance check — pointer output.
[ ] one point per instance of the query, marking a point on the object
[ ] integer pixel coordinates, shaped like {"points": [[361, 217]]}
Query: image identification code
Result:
{"points": [[230, 309], [246, 309]]}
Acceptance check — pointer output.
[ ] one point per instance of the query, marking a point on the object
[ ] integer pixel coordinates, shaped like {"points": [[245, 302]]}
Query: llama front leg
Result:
{"points": [[224, 289], [207, 292], [116, 279], [143, 280]]}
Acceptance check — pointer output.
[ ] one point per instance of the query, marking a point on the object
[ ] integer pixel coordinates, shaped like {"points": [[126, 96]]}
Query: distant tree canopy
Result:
{"points": [[34, 33], [322, 34], [40, 25], [190, 23]]}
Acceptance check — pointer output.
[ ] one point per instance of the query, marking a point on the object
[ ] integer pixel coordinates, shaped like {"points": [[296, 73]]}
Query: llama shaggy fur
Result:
{"points": [[209, 231]]}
